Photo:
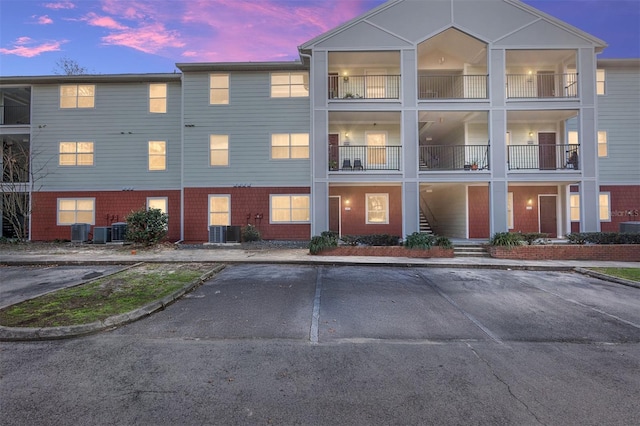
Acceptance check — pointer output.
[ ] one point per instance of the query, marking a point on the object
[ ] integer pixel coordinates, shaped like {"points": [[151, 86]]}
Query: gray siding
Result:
{"points": [[619, 116], [120, 127], [249, 120]]}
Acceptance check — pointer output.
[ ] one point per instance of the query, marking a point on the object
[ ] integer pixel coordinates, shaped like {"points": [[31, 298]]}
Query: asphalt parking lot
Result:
{"points": [[261, 344]]}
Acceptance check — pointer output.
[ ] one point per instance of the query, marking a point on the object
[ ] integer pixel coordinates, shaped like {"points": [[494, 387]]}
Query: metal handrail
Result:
{"points": [[543, 157], [14, 114], [542, 85], [364, 158], [364, 87], [453, 157], [453, 86]]}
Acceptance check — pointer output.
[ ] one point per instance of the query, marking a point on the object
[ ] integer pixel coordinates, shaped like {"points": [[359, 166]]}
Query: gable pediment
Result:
{"points": [[363, 35], [542, 33]]}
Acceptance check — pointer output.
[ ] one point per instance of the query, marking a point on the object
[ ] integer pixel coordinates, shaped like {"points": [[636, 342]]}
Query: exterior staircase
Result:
{"points": [[469, 250], [425, 227]]}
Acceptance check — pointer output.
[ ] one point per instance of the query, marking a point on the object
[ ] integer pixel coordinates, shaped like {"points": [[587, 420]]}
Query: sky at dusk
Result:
{"points": [[147, 36]]}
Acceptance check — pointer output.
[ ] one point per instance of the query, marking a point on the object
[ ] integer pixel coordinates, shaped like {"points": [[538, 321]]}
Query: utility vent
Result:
{"points": [[217, 234], [118, 232], [80, 232], [101, 235], [630, 227]]}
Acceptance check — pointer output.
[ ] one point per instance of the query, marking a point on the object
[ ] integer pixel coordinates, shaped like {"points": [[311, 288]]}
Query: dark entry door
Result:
{"points": [[548, 215], [334, 214], [547, 153], [334, 155]]}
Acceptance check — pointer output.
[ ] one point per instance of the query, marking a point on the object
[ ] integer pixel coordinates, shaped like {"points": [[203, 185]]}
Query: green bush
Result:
{"points": [[506, 239], [320, 242], [250, 233], [379, 240], [147, 226], [603, 238], [350, 240], [532, 238], [443, 242], [419, 240]]}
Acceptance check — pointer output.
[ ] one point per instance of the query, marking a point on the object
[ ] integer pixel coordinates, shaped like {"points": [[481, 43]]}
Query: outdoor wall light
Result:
{"points": [[347, 201], [531, 134], [530, 202], [345, 77]]}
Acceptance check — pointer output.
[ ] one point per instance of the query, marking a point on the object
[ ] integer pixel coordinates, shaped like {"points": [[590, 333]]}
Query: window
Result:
{"points": [[219, 210], [290, 208], [218, 150], [572, 137], [376, 149], [157, 155], [605, 211], [574, 207], [295, 145], [290, 85], [602, 144], [77, 95], [377, 208], [159, 203], [76, 210], [158, 98], [510, 210], [219, 89], [600, 82], [76, 154]]}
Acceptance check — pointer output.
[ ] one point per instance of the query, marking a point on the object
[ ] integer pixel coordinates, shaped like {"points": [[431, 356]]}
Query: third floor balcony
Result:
{"points": [[364, 75], [15, 106]]}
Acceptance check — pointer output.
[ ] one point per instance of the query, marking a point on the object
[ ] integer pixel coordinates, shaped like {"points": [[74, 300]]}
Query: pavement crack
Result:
{"points": [[506, 385], [315, 317]]}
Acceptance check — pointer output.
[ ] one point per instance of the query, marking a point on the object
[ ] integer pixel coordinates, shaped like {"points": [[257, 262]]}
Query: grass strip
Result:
{"points": [[95, 301], [632, 274]]}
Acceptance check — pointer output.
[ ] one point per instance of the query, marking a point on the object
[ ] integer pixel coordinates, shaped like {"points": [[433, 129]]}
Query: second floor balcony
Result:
{"points": [[353, 158], [453, 157], [543, 157], [452, 86], [542, 85], [364, 87]]}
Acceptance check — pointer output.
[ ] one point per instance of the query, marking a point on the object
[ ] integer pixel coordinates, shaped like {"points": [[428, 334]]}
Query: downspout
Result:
{"points": [[311, 138], [181, 159]]}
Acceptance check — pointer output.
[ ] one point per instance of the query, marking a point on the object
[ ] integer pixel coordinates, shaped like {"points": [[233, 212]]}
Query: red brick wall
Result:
{"points": [[354, 220], [527, 220], [478, 212], [387, 252], [111, 206], [624, 200], [244, 202], [609, 252]]}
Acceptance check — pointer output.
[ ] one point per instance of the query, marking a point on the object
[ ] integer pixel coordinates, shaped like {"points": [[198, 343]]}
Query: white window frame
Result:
{"points": [[160, 100], [151, 155], [165, 200], [76, 154], [607, 216], [76, 200], [601, 82], [227, 212], [221, 89], [510, 216], [291, 209], [225, 139], [385, 198], [77, 97], [290, 147], [603, 144], [290, 93], [574, 207]]}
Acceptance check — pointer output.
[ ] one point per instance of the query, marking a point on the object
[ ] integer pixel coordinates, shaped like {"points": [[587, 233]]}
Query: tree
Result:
{"points": [[68, 66], [19, 180]]}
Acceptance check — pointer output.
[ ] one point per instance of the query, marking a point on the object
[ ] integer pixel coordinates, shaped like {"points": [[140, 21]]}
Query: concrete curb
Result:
{"points": [[606, 277], [13, 334]]}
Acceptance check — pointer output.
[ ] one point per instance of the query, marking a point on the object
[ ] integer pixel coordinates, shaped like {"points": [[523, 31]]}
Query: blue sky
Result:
{"points": [[140, 36]]}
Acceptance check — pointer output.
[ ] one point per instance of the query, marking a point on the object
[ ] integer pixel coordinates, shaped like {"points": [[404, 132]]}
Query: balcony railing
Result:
{"points": [[542, 85], [364, 158], [12, 115], [543, 157], [364, 87], [452, 87], [454, 157]]}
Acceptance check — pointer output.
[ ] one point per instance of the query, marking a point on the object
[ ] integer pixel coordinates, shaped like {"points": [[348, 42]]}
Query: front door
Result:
{"points": [[548, 215], [334, 214], [547, 151]]}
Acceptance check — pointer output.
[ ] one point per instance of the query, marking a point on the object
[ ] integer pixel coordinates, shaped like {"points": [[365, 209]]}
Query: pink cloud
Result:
{"points": [[103, 21], [44, 20], [151, 38], [28, 48], [60, 5]]}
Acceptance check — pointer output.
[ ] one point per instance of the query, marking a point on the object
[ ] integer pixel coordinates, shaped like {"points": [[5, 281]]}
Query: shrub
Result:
{"points": [[350, 240], [379, 240], [443, 242], [603, 238], [532, 238], [147, 226], [250, 233], [506, 239], [320, 242], [419, 240]]}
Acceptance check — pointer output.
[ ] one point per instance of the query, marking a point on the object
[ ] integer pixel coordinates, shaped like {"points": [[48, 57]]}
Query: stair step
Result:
{"points": [[469, 251]]}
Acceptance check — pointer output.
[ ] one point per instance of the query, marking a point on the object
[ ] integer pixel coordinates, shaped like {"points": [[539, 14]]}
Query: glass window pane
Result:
{"points": [[84, 217], [219, 204], [280, 140], [604, 207], [84, 204], [300, 152], [219, 96], [280, 78], [157, 147], [69, 91], [67, 205], [300, 202], [85, 102], [300, 215], [298, 78], [280, 202], [157, 162], [85, 159], [219, 81], [280, 152], [66, 147], [219, 158], [280, 215], [68, 102], [86, 90], [157, 203], [158, 105], [67, 160], [218, 142], [299, 91], [85, 147], [66, 218], [300, 139], [158, 90], [279, 91]]}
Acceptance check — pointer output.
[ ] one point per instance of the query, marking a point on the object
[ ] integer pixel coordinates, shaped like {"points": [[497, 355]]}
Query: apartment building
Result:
{"points": [[472, 117]]}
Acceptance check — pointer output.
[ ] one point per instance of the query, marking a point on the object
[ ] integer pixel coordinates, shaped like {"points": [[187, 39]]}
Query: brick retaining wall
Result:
{"points": [[386, 251], [607, 252]]}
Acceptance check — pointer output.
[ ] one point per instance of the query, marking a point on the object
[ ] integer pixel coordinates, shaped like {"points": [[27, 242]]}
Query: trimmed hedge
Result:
{"points": [[603, 238], [371, 240]]}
